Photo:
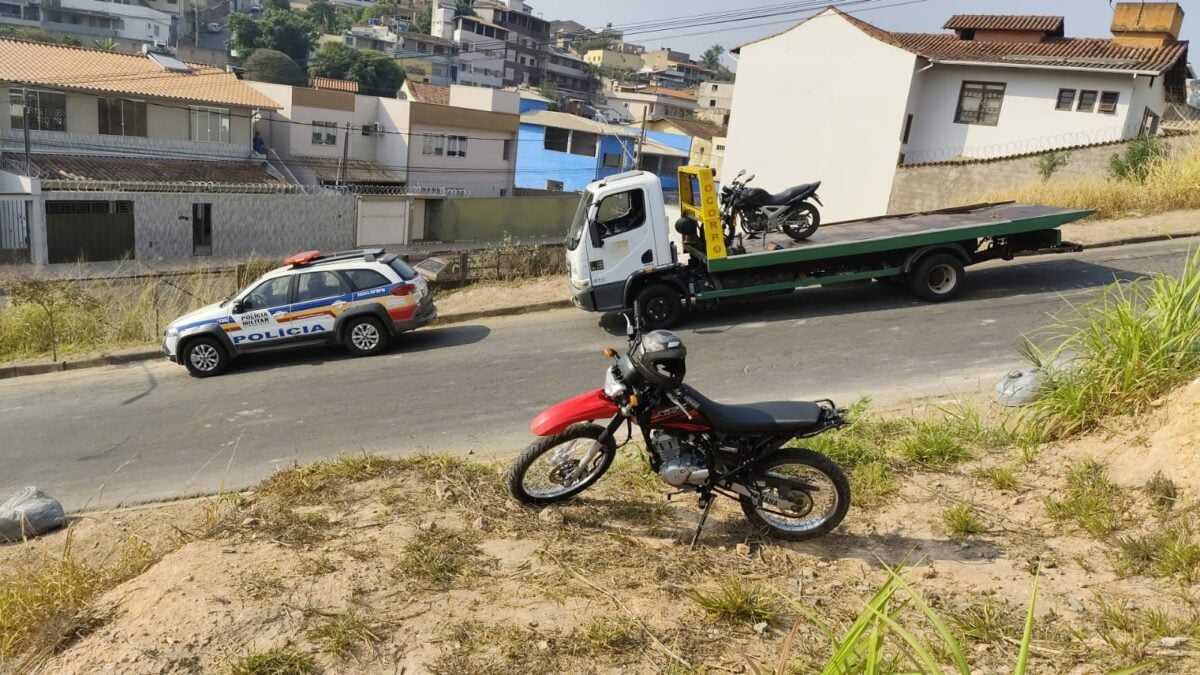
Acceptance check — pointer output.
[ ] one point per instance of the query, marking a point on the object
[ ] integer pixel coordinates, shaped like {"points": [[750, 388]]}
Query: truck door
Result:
{"points": [[320, 297], [257, 319], [622, 244]]}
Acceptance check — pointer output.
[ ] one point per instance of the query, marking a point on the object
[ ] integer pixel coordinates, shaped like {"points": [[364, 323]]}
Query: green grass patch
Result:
{"points": [[277, 661], [1090, 500], [1003, 478], [738, 601], [873, 484], [1173, 551], [962, 520]]}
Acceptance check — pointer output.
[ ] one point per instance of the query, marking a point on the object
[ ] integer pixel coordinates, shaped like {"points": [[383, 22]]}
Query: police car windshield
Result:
{"points": [[402, 268]]}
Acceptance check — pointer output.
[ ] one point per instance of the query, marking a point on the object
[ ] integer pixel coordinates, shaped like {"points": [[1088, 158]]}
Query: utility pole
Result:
{"points": [[345, 157], [27, 96], [637, 157], [196, 6]]}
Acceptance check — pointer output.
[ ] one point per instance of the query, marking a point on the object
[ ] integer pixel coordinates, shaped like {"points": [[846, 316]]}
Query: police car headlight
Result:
{"points": [[172, 332]]}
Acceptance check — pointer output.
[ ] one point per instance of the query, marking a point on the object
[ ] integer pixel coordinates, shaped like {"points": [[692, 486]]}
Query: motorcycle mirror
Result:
{"points": [[747, 181], [740, 174]]}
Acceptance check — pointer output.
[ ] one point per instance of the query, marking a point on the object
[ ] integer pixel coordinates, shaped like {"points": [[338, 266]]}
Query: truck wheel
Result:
{"points": [[366, 336], [659, 306], [205, 357], [937, 277]]}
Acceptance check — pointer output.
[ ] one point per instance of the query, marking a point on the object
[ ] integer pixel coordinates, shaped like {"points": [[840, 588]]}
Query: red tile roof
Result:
{"points": [[334, 84], [694, 128], [1088, 53], [429, 93], [145, 169], [1005, 22]]}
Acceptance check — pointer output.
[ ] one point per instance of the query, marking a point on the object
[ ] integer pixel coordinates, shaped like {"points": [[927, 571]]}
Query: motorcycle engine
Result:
{"points": [[682, 461]]}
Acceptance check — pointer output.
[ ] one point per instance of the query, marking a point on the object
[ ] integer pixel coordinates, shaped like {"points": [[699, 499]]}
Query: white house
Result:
{"points": [[481, 62], [996, 86]]}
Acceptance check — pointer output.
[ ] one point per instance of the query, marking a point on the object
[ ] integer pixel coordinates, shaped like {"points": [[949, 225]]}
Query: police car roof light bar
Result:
{"points": [[301, 259]]}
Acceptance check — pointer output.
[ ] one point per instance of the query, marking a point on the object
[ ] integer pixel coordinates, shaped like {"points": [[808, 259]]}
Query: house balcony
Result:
{"points": [[52, 142], [79, 29]]}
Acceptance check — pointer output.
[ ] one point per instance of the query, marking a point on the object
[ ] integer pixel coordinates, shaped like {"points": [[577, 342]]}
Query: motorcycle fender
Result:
{"points": [[593, 405], [817, 199]]}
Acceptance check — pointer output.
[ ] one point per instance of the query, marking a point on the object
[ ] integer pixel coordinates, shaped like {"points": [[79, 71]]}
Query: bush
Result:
{"points": [[1051, 162], [1135, 161]]}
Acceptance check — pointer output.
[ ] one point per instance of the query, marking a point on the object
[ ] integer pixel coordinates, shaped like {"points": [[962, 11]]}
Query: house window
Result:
{"points": [[908, 120], [1087, 101], [121, 117], [324, 133], [503, 192], [435, 144], [979, 103], [456, 146], [506, 153], [583, 143], [554, 185], [201, 229], [1066, 99], [208, 124], [712, 103], [612, 160], [557, 139], [1108, 102], [47, 110]]}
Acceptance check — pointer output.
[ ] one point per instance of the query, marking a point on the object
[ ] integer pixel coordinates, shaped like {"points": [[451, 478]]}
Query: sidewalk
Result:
{"points": [[548, 293]]}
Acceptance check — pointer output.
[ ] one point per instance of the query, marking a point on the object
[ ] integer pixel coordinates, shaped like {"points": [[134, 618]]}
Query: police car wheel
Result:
{"points": [[366, 337], [205, 357]]}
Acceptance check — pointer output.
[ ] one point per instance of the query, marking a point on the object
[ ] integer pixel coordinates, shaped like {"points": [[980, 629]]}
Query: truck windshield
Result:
{"points": [[576, 232]]}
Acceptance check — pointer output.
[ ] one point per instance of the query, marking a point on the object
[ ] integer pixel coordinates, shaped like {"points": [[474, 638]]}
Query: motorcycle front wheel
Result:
{"points": [[541, 474], [802, 222], [815, 484]]}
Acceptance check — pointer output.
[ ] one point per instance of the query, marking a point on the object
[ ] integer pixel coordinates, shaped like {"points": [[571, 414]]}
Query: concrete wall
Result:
{"points": [[1028, 121], [922, 188], [840, 124], [471, 219], [243, 225]]}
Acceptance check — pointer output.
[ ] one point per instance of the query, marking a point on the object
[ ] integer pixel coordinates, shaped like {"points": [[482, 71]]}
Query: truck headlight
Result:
{"points": [[580, 284]]}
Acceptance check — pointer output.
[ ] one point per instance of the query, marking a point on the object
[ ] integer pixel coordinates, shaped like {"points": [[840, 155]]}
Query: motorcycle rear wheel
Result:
{"points": [[802, 222], [539, 474], [827, 496]]}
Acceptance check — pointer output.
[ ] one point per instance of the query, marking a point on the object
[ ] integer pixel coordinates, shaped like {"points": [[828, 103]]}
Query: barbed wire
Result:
{"points": [[1026, 146]]}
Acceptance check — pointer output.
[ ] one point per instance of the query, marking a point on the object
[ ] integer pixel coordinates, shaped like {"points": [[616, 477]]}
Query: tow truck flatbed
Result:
{"points": [[620, 254]]}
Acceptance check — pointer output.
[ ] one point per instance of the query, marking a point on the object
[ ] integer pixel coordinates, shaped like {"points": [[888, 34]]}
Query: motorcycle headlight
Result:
{"points": [[612, 388]]}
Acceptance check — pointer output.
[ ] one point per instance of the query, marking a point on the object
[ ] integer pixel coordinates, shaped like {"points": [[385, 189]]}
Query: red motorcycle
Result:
{"points": [[693, 443]]}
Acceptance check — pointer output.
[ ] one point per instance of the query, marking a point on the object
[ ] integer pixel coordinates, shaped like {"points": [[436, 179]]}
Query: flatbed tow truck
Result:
{"points": [[621, 251]]}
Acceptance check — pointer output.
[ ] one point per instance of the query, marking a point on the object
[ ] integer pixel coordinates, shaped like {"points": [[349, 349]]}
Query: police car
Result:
{"points": [[361, 299]]}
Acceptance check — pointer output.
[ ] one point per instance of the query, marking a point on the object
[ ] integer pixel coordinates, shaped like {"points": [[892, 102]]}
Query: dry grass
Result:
{"points": [[1090, 500], [436, 559], [277, 661], [346, 635], [1170, 185], [738, 601]]}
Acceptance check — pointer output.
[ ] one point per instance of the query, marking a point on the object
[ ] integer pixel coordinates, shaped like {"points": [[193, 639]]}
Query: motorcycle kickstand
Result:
{"points": [[707, 500]]}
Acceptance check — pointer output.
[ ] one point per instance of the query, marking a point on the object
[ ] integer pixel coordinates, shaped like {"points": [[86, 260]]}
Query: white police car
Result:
{"points": [[359, 298]]}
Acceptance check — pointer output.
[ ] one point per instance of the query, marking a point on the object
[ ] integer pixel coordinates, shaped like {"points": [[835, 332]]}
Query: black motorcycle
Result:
{"points": [[760, 212], [694, 444]]}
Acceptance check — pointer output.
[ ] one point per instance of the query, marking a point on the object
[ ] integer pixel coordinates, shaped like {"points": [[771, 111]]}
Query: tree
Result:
{"points": [[377, 74], [107, 44], [334, 59], [379, 10], [286, 32], [323, 15], [268, 65], [30, 34], [423, 21], [464, 8], [711, 58]]}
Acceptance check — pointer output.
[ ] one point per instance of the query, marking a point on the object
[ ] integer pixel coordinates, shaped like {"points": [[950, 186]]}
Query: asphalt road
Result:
{"points": [[140, 432]]}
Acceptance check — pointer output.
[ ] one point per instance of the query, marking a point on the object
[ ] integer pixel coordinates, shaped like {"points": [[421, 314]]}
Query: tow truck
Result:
{"points": [[622, 254]]}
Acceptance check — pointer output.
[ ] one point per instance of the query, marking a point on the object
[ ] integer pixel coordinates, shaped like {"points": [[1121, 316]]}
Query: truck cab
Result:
{"points": [[619, 235]]}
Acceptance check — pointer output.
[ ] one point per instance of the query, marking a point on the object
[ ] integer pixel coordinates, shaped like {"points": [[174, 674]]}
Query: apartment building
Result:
{"points": [[676, 66], [714, 101], [632, 103], [425, 58], [613, 60], [98, 19], [483, 46], [436, 140], [568, 73], [528, 43]]}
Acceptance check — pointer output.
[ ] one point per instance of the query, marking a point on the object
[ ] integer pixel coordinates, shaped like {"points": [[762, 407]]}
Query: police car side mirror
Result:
{"points": [[239, 306]]}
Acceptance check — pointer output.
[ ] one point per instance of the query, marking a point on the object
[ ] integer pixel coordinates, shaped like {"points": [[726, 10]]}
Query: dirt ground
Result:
{"points": [[423, 565], [491, 296], [1170, 223]]}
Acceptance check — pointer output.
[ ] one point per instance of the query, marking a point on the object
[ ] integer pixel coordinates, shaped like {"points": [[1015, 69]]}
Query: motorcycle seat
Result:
{"points": [[793, 193], [759, 418]]}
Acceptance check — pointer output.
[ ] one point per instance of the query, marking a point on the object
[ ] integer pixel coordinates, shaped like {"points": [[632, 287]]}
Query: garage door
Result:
{"points": [[88, 230]]}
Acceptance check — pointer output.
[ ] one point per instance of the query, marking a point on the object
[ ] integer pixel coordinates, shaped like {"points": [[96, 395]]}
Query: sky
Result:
{"points": [[1084, 18]]}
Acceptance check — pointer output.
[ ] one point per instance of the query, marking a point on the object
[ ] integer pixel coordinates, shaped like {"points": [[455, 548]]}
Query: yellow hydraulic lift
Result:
{"points": [[698, 200]]}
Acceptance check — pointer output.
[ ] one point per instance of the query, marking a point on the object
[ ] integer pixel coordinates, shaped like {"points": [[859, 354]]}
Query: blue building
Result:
{"points": [[560, 151]]}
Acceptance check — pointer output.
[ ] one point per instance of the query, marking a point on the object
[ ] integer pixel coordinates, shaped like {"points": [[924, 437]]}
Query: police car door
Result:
{"points": [[258, 313], [320, 297]]}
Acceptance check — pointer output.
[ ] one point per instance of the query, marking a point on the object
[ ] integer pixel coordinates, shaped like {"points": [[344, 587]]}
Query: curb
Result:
{"points": [[7, 372]]}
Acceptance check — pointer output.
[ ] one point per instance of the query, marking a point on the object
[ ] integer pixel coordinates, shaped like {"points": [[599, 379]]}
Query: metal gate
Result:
{"points": [[89, 231], [14, 230]]}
